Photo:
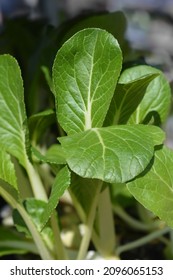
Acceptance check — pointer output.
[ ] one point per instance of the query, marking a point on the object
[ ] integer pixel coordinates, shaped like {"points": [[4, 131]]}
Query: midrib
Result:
{"points": [[88, 117]]}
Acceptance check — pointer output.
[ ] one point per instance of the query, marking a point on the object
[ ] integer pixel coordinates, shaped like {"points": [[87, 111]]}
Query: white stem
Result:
{"points": [[106, 223], [36, 183], [89, 226]]}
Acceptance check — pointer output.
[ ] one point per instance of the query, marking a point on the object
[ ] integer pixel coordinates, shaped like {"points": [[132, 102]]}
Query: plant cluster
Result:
{"points": [[109, 141]]}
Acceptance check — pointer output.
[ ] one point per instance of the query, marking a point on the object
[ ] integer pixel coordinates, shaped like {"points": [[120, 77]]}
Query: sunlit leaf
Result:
{"points": [[112, 154], [156, 101], [85, 73], [126, 99], [155, 189]]}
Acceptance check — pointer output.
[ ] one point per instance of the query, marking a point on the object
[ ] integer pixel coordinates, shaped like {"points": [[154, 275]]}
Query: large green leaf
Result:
{"points": [[156, 101], [13, 128], [7, 171], [126, 99], [85, 73], [155, 189], [112, 154]]}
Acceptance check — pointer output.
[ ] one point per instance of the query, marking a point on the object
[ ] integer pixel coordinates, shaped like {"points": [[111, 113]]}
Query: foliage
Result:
{"points": [[107, 140]]}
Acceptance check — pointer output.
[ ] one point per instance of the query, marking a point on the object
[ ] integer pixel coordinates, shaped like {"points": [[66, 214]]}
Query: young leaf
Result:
{"points": [[155, 188], [85, 73], [13, 128], [61, 183], [126, 99], [7, 171], [36, 208], [157, 97], [112, 154]]}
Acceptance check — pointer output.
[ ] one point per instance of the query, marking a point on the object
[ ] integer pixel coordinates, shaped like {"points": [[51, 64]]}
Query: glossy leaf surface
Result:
{"points": [[112, 154], [85, 73], [155, 189], [126, 99], [156, 101]]}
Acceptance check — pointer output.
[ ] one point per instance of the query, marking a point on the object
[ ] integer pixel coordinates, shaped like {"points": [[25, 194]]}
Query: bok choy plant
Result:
{"points": [[108, 136]]}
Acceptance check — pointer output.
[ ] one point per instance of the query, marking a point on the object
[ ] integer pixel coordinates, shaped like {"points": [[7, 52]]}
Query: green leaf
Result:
{"points": [[61, 183], [155, 188], [126, 99], [85, 73], [31, 220], [7, 171], [36, 209], [13, 127], [156, 101], [112, 154]]}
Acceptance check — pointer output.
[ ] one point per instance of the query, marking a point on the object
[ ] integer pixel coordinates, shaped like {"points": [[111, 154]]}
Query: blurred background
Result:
{"points": [[149, 22]]}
